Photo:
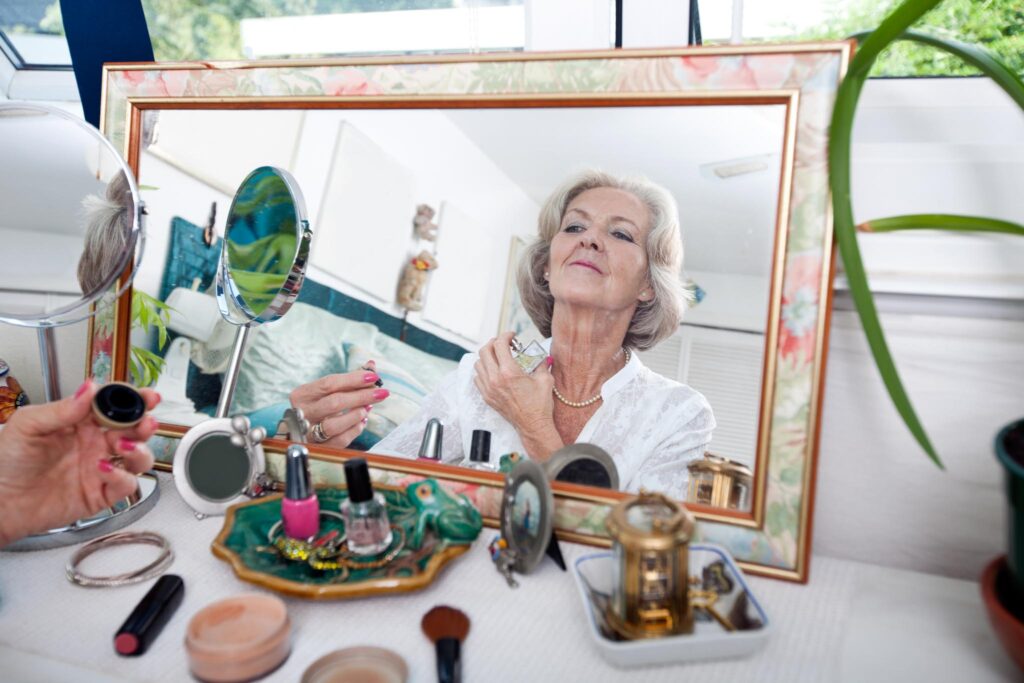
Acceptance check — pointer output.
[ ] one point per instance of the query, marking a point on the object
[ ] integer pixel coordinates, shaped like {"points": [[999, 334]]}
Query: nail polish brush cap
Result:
{"points": [[480, 447], [432, 435], [357, 480], [296, 481]]}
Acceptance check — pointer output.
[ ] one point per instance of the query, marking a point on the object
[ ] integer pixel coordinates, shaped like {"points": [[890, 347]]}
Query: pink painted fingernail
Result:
{"points": [[126, 444], [82, 389], [370, 377], [381, 394], [364, 420], [369, 408], [106, 466], [550, 361]]}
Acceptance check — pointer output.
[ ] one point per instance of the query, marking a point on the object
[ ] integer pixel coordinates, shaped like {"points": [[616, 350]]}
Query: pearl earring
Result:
{"points": [[546, 275]]}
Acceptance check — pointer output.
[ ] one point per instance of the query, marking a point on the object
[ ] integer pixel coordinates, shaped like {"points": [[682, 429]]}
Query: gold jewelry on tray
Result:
{"points": [[318, 432], [590, 401], [154, 568]]}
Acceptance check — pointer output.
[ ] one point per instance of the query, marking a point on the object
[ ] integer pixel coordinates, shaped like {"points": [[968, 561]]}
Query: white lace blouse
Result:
{"points": [[650, 425]]}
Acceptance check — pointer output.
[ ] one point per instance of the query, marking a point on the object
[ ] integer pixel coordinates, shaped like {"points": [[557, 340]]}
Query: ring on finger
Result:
{"points": [[318, 432]]}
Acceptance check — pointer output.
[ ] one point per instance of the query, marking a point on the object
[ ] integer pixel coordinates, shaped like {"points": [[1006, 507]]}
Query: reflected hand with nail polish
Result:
{"points": [[57, 464], [338, 406]]}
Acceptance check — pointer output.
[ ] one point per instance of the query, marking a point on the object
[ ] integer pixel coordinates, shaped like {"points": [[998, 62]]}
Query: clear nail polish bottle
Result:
{"points": [[480, 452], [528, 357], [365, 512]]}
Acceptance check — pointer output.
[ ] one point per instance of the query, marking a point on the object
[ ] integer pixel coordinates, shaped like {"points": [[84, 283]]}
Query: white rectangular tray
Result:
{"points": [[708, 640]]}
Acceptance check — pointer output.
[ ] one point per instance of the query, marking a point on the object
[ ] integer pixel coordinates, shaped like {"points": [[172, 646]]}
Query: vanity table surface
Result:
{"points": [[852, 622]]}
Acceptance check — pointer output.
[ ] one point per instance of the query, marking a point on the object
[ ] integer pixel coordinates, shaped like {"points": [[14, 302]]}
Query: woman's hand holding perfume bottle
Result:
{"points": [[58, 464], [524, 399]]}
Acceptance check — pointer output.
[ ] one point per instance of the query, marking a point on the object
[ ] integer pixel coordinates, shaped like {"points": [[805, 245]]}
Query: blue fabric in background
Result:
{"points": [[188, 257], [101, 31]]}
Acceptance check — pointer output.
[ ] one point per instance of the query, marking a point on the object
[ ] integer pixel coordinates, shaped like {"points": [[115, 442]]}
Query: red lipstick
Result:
{"points": [[150, 616]]}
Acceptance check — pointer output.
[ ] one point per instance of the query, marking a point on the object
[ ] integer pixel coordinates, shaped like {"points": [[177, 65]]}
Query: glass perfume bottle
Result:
{"points": [[528, 357], [366, 515]]}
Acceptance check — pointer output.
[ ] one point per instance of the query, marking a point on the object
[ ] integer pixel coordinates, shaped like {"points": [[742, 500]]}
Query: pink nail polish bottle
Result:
{"points": [[300, 509]]}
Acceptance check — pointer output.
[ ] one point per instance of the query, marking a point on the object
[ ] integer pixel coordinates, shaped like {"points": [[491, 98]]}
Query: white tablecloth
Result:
{"points": [[852, 622]]}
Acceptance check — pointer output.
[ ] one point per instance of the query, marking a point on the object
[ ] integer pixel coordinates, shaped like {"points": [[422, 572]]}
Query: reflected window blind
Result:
{"points": [[725, 366]]}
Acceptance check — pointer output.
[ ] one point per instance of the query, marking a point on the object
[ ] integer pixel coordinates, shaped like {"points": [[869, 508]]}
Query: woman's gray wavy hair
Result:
{"points": [[653, 320], [108, 227]]}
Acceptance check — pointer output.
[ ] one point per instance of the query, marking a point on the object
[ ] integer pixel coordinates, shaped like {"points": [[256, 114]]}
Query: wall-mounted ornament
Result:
{"points": [[413, 284], [423, 223]]}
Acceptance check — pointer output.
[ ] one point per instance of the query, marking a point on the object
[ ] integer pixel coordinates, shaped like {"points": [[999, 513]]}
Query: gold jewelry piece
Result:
{"points": [[318, 432], [590, 401], [154, 568]]}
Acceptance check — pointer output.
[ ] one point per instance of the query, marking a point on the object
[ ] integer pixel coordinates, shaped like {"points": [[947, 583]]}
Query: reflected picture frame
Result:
{"points": [[774, 539]]}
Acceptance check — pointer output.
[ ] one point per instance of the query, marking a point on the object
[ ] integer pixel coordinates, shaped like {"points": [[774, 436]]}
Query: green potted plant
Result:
{"points": [[1003, 588]]}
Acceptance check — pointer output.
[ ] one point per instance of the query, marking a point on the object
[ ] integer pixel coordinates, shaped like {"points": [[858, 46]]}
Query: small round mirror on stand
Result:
{"points": [[262, 265], [71, 238]]}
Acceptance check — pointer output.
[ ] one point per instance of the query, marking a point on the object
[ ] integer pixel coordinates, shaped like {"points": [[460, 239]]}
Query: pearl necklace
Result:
{"points": [[590, 401]]}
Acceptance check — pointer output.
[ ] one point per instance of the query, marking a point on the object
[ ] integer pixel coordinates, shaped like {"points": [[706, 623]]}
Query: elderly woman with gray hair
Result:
{"points": [[601, 280]]}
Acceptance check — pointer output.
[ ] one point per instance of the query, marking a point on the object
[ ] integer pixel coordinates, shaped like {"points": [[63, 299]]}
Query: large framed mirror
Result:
{"points": [[444, 163]]}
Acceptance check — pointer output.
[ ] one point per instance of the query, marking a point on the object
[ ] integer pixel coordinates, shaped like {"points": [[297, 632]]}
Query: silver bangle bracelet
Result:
{"points": [[154, 568]]}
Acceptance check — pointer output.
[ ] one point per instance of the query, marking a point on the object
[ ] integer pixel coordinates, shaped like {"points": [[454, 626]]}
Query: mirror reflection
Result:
{"points": [[422, 219], [61, 249], [261, 241]]}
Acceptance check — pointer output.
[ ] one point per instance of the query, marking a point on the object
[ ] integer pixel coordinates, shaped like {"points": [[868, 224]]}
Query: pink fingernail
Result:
{"points": [[158, 399], [364, 420], [550, 361], [153, 422], [370, 377], [381, 394], [126, 444], [82, 389], [106, 466], [369, 408]]}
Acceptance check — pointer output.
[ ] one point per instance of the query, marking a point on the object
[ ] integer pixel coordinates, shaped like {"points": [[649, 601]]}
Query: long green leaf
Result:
{"points": [[845, 229], [894, 28], [940, 221]]}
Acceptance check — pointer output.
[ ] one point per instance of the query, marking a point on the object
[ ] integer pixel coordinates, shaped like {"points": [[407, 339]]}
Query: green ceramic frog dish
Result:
{"points": [[431, 526]]}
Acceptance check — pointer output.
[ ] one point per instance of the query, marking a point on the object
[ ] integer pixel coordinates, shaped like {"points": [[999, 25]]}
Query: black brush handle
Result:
{"points": [[449, 667]]}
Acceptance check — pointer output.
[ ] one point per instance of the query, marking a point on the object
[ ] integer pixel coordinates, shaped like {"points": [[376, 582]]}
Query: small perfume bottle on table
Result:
{"points": [[365, 512]]}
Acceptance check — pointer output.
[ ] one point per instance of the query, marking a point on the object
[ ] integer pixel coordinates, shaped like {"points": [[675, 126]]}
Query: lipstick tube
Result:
{"points": [[300, 509], [149, 616]]}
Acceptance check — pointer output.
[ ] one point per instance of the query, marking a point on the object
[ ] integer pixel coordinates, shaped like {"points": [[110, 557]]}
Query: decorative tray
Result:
{"points": [[431, 527], [709, 640]]}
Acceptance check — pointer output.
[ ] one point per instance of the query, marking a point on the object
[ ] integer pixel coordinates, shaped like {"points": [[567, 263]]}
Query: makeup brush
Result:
{"points": [[447, 627]]}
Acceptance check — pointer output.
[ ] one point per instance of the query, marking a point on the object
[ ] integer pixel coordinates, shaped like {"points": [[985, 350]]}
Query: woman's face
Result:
{"points": [[599, 255]]}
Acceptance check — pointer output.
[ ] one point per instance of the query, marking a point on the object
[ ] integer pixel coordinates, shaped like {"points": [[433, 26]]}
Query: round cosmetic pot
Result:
{"points": [[358, 665], [238, 639], [118, 405]]}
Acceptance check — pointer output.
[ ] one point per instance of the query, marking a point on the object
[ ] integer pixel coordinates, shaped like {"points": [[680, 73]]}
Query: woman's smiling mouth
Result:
{"points": [[586, 264]]}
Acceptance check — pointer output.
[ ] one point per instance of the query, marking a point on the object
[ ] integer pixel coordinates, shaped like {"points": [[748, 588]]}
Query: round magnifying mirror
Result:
{"points": [[263, 260], [71, 220], [266, 247]]}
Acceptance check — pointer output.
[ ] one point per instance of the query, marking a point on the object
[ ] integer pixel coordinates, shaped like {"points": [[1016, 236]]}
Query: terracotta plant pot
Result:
{"points": [[1010, 451], [1008, 628]]}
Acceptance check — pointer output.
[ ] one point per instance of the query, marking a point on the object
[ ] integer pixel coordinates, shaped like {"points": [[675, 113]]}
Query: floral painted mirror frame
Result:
{"points": [[775, 539]]}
